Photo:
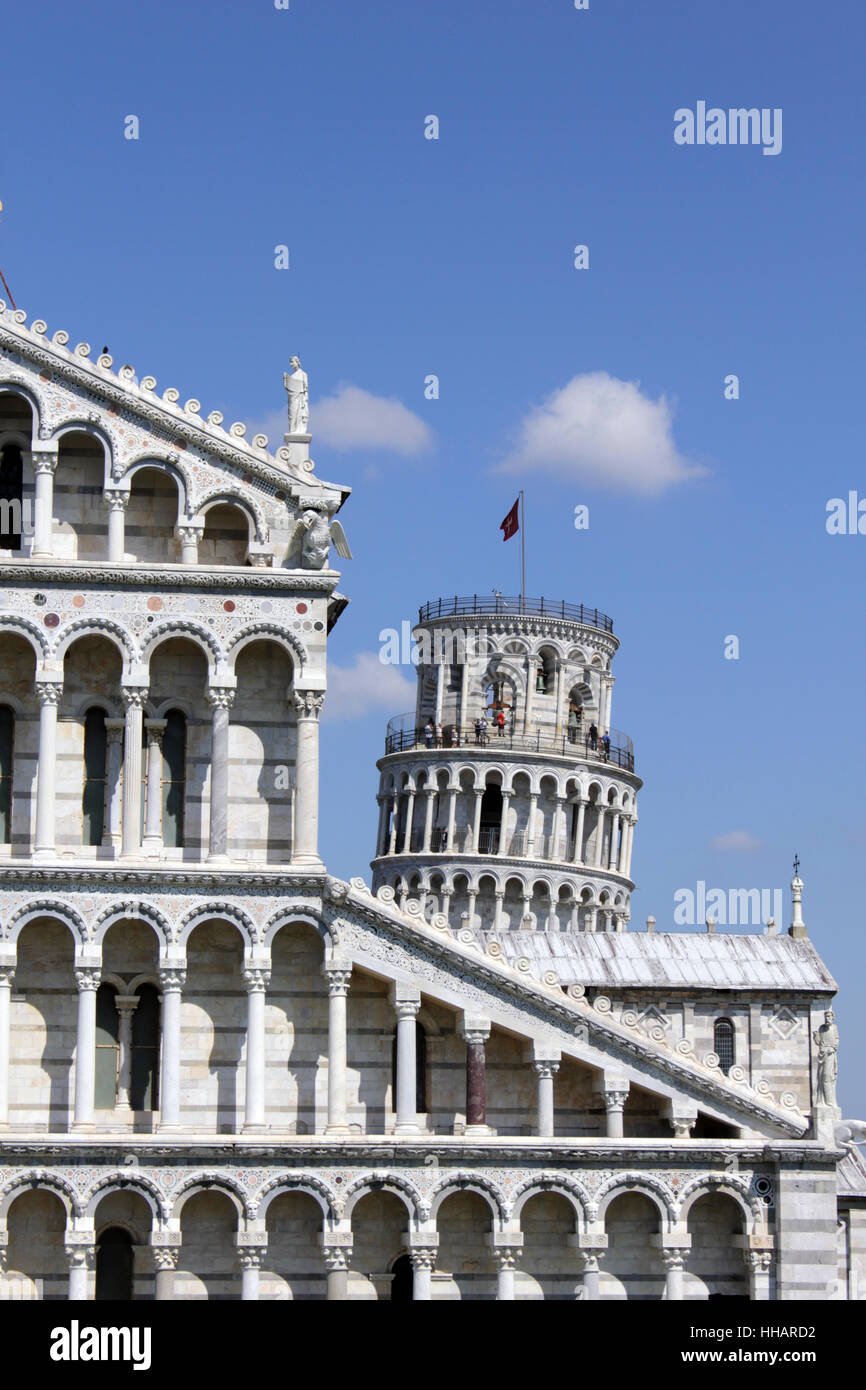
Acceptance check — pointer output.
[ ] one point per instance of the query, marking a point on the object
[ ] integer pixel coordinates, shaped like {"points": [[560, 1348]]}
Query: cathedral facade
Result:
{"points": [[226, 1073]]}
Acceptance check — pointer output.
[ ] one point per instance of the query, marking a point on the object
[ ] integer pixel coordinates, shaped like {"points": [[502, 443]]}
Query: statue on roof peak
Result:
{"points": [[297, 388]]}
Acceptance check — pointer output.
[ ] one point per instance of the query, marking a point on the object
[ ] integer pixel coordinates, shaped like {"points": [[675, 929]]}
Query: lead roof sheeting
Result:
{"points": [[674, 959]]}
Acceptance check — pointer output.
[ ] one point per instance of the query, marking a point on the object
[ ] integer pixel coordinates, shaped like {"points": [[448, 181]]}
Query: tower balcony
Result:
{"points": [[518, 606], [405, 734]]}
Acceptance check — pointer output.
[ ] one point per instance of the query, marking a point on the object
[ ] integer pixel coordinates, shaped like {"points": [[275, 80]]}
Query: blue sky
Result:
{"points": [[408, 257]]}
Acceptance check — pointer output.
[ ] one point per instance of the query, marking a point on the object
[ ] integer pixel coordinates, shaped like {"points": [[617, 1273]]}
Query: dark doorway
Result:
{"points": [[114, 1266], [401, 1280]]}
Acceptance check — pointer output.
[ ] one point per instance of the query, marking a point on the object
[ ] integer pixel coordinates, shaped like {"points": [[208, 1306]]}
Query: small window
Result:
{"points": [[723, 1043], [7, 750], [93, 799]]}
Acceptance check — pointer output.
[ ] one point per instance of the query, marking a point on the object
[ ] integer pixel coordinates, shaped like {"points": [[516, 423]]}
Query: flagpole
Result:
{"points": [[522, 549]]}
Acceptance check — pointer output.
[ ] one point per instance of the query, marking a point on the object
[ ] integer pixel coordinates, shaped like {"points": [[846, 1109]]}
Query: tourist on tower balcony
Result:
{"points": [[573, 725], [605, 746], [429, 733], [455, 736], [438, 734], [481, 730], [593, 737], [499, 718]]}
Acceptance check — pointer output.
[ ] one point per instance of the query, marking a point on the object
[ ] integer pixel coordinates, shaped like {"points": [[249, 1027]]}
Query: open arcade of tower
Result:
{"points": [[226, 1073]]}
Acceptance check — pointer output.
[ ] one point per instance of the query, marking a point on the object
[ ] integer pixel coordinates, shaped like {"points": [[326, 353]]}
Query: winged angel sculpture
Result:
{"points": [[319, 534]]}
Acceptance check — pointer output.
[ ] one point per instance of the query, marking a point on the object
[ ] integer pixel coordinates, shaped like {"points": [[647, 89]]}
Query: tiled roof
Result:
{"points": [[679, 960]]}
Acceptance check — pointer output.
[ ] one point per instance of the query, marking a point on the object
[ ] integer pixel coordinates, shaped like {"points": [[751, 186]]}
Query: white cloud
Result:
{"points": [[737, 840], [603, 432], [353, 418], [354, 691]]}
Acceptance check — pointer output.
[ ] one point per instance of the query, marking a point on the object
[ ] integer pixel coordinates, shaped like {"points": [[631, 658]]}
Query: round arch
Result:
{"points": [[470, 1182], [121, 1182]]}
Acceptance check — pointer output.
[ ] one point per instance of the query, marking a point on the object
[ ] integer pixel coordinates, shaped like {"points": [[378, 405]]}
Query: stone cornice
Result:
{"points": [[168, 576], [463, 860], [492, 753], [156, 877], [289, 1150], [516, 624]]}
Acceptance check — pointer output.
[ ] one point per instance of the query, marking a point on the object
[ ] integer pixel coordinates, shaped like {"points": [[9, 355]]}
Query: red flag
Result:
{"points": [[510, 526]]}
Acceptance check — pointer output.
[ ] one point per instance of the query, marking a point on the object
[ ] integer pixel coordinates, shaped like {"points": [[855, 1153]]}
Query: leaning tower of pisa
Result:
{"points": [[506, 799]]}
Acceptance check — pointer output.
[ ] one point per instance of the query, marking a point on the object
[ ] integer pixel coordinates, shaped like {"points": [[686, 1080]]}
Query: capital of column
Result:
{"points": [[80, 1256], [165, 1257], [115, 499], [126, 1004], [338, 977], [257, 978], [49, 692], [475, 1030], [155, 730], [172, 978], [189, 533], [220, 696], [87, 977], [423, 1256], [675, 1256], [407, 1008], [114, 730], [759, 1261], [308, 703], [44, 460], [7, 976], [545, 1071], [134, 696], [614, 1100], [336, 1257]]}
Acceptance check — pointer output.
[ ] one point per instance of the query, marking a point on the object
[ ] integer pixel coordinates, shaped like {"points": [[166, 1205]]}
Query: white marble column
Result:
{"points": [[171, 978], [48, 694], [81, 1258], [577, 857], [614, 842], [87, 980], [430, 793], [410, 812], [308, 706], [152, 842], [423, 1260], [220, 699], [506, 1257], [256, 977], [338, 977], [615, 1091], [503, 823], [627, 869], [499, 896], [189, 537], [380, 834], [558, 848], [591, 1259], [337, 1259], [759, 1265], [134, 697], [545, 1065], [252, 1247], [440, 691], [395, 816], [452, 817], [165, 1263], [126, 1005], [407, 1003], [44, 464], [7, 975], [472, 895], [476, 819], [116, 501], [599, 837], [674, 1259], [530, 826], [111, 832]]}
